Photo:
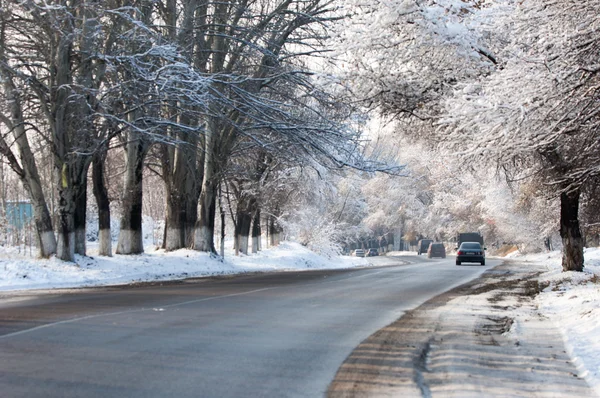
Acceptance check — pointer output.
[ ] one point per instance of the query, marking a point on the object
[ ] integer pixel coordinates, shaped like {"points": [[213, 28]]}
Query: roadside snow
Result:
{"points": [[20, 271], [572, 301]]}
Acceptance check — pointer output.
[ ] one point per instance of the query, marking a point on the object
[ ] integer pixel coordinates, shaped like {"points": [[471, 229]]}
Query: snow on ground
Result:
{"points": [[21, 271], [570, 299]]}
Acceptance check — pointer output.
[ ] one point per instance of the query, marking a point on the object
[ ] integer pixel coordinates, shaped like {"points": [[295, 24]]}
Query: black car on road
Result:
{"points": [[470, 252], [423, 245], [436, 249], [372, 253]]}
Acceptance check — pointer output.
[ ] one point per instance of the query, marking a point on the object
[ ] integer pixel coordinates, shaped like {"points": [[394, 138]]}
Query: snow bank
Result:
{"points": [[20, 271], [572, 301]]}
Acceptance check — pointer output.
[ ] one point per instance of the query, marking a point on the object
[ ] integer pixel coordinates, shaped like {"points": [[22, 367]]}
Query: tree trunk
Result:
{"points": [[183, 175], [205, 228], [183, 191], [103, 203], [175, 220], [222, 248], [72, 198], [80, 217], [130, 236], [28, 172], [43, 223], [244, 220], [274, 231], [256, 231], [66, 214], [570, 232]]}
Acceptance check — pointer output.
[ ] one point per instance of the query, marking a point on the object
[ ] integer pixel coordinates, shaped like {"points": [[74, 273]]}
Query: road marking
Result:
{"points": [[73, 320], [162, 308], [83, 318]]}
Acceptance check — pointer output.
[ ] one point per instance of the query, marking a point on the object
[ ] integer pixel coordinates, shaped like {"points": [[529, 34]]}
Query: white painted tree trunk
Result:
{"points": [[103, 203], [30, 177], [243, 244], [130, 242], [105, 243], [130, 236], [174, 239], [205, 227], [80, 241], [47, 243], [66, 246], [203, 239]]}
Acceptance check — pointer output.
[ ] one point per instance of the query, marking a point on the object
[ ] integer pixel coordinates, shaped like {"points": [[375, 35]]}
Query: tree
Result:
{"points": [[540, 110], [403, 57], [249, 72], [512, 83]]}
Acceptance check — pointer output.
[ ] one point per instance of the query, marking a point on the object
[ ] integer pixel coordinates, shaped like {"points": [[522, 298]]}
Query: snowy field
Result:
{"points": [[571, 300]]}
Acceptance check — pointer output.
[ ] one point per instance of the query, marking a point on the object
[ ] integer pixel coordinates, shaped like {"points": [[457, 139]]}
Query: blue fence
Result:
{"points": [[19, 214]]}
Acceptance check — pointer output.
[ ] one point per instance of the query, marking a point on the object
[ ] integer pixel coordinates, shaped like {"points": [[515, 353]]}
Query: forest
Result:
{"points": [[338, 123]]}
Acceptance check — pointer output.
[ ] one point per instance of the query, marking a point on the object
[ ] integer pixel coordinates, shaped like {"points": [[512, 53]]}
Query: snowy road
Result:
{"points": [[486, 338], [265, 335]]}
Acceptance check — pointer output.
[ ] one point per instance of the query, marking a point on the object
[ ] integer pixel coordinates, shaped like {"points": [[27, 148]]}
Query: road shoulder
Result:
{"points": [[485, 338]]}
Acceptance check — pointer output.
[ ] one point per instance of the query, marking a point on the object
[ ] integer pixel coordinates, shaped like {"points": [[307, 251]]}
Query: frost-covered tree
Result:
{"points": [[48, 57], [539, 113], [403, 56], [512, 84]]}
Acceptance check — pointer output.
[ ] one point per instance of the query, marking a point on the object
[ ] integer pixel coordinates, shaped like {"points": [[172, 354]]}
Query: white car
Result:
{"points": [[359, 253]]}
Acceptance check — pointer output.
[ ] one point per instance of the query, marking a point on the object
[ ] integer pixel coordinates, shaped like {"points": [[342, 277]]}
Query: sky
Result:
{"points": [[571, 300]]}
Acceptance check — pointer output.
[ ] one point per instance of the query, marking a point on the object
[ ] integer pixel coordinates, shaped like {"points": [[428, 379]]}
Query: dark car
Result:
{"points": [[372, 253], [436, 249], [423, 245], [470, 252]]}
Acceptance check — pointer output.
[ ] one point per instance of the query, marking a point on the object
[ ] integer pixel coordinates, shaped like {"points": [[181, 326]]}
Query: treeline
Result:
{"points": [[213, 96], [507, 86]]}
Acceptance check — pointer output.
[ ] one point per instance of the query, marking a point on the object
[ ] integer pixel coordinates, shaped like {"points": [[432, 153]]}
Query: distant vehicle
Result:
{"points": [[469, 237], [359, 253], [436, 249], [423, 245], [372, 253], [470, 252]]}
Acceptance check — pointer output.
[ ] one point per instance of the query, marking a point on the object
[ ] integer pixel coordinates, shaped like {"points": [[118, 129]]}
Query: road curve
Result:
{"points": [[261, 335]]}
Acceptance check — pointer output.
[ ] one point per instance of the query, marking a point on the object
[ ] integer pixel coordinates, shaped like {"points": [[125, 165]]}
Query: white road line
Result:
{"points": [[73, 320]]}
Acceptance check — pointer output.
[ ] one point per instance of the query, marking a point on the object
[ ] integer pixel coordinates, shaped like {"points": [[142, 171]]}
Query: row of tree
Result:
{"points": [[506, 85], [213, 96], [219, 99]]}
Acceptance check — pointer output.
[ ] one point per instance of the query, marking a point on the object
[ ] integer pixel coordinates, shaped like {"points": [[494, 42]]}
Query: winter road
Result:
{"points": [[262, 335]]}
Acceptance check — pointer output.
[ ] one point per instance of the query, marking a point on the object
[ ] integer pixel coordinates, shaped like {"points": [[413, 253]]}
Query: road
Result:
{"points": [[261, 335], [486, 338]]}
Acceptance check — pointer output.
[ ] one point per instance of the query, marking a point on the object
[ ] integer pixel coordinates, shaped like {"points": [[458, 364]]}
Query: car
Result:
{"points": [[372, 253], [436, 249], [359, 253], [423, 245], [470, 252]]}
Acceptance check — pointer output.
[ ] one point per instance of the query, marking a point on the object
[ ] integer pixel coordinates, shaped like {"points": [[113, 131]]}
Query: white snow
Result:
{"points": [[571, 300], [21, 271]]}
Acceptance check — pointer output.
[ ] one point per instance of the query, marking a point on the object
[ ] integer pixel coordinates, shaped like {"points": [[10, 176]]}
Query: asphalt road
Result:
{"points": [[263, 335]]}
